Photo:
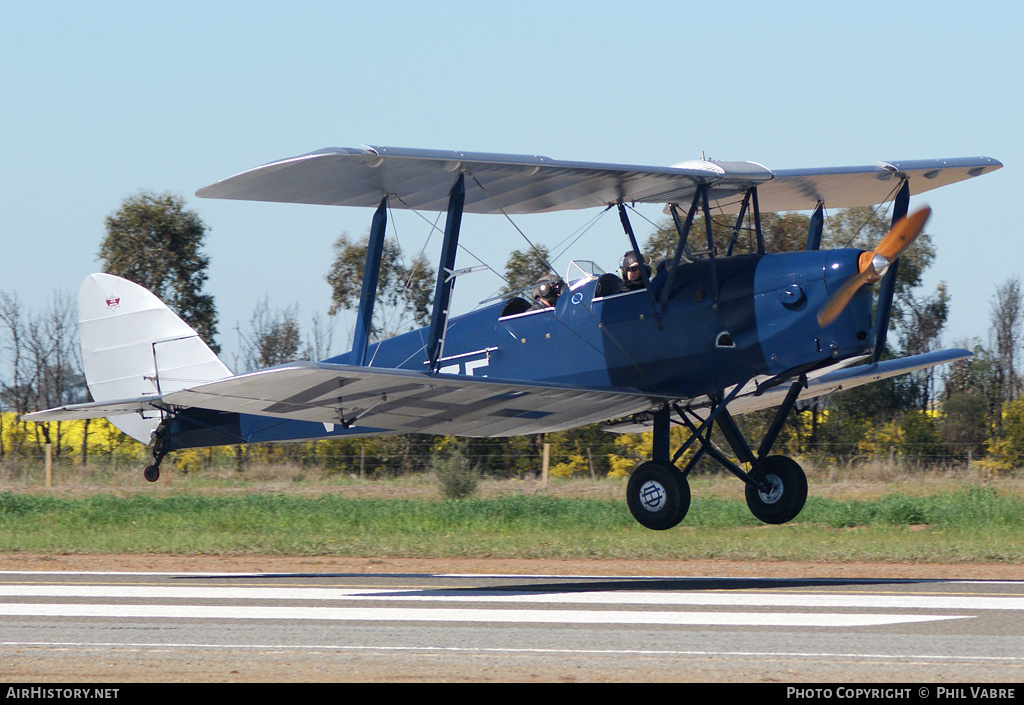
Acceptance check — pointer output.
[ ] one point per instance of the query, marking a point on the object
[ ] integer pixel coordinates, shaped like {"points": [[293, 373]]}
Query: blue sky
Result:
{"points": [[102, 99]]}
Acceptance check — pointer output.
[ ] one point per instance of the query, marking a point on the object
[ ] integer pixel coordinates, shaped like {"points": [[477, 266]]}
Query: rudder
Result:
{"points": [[133, 345]]}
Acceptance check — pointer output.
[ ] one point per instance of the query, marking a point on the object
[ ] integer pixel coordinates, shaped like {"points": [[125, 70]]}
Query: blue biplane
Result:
{"points": [[709, 334]]}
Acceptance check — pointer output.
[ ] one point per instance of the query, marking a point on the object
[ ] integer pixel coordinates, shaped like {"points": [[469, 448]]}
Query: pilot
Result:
{"points": [[629, 267], [546, 291]]}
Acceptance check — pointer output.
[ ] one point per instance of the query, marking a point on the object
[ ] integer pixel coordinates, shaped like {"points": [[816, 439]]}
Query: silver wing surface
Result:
{"points": [[97, 409], [410, 402], [495, 183], [385, 400], [850, 377], [826, 381], [845, 187], [403, 401]]}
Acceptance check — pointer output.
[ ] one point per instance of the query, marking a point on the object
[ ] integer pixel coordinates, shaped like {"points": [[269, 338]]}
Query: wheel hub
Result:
{"points": [[773, 491], [653, 496]]}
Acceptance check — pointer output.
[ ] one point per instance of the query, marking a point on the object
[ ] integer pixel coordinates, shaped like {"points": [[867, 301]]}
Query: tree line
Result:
{"points": [[972, 410]]}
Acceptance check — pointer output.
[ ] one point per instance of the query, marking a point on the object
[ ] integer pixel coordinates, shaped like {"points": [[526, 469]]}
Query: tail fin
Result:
{"points": [[134, 346]]}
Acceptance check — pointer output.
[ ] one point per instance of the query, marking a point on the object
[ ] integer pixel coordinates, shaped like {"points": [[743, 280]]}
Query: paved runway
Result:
{"points": [[133, 627]]}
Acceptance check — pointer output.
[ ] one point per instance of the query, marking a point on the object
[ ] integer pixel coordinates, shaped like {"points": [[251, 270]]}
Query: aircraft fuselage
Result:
{"points": [[759, 321]]}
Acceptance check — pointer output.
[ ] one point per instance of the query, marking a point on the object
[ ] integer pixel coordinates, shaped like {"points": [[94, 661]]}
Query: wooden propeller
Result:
{"points": [[873, 264]]}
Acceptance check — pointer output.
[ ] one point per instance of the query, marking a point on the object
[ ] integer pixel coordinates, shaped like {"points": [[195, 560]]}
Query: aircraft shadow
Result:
{"points": [[547, 585]]}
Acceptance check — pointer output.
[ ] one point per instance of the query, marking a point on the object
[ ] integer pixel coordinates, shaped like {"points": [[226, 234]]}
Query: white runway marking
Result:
{"points": [[482, 595], [511, 650], [509, 606], [788, 619], [813, 623]]}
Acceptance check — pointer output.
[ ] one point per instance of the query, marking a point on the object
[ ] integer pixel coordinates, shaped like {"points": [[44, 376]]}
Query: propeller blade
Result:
{"points": [[831, 310], [902, 235]]}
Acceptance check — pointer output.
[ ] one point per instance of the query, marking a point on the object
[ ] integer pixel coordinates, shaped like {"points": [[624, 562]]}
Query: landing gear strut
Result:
{"points": [[152, 472], [658, 494]]}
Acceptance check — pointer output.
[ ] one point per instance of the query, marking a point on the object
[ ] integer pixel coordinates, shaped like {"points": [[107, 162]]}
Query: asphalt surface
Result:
{"points": [[318, 626]]}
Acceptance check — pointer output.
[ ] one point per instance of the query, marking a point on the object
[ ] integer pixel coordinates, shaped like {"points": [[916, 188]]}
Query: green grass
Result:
{"points": [[976, 524]]}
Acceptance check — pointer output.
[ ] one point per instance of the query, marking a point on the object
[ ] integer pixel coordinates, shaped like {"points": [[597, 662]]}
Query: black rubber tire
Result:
{"points": [[786, 493], [658, 495], [151, 473]]}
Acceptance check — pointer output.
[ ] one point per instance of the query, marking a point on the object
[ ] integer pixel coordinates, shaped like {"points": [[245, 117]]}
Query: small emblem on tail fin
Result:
{"points": [[113, 301]]}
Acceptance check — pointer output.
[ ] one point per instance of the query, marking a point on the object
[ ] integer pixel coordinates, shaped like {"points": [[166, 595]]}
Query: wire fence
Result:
{"points": [[394, 456]]}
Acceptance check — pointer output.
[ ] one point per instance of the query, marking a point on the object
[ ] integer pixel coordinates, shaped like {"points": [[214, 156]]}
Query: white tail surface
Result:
{"points": [[134, 346]]}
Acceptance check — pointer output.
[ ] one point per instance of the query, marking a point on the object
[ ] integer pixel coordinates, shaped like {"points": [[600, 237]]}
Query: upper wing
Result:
{"points": [[421, 179], [844, 187], [409, 402]]}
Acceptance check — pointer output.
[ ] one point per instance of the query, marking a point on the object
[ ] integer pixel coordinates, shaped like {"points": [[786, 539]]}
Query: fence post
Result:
{"points": [[544, 467], [49, 465]]}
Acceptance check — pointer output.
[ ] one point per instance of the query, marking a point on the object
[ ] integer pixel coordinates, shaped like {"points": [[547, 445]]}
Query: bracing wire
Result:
{"points": [[583, 230], [515, 225], [874, 212], [579, 232], [461, 246], [401, 254], [611, 337]]}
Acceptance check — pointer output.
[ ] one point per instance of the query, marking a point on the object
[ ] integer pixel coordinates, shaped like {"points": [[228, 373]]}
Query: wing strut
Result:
{"points": [[901, 205], [628, 228], [757, 220], [711, 239], [682, 247], [371, 273], [815, 227], [443, 289], [739, 221]]}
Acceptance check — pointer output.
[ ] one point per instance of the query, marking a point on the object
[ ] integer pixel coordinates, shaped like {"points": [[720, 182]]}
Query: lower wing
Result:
{"points": [[400, 401], [826, 381], [405, 401]]}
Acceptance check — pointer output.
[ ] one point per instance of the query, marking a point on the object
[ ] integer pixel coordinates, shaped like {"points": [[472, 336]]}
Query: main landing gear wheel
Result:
{"points": [[658, 495], [785, 493]]}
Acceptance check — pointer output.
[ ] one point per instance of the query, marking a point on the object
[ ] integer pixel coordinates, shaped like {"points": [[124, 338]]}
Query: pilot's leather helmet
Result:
{"points": [[626, 261], [548, 288]]}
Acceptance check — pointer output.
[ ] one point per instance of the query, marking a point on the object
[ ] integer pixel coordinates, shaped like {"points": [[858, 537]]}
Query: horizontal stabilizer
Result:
{"points": [[95, 410]]}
